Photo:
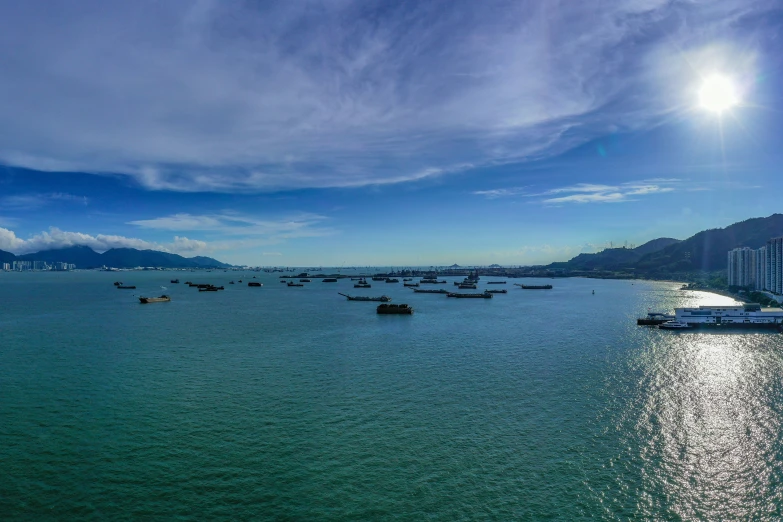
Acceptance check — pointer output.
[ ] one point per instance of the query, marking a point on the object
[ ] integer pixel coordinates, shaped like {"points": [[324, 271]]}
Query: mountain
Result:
{"points": [[86, 257], [6, 257], [707, 250], [615, 258]]}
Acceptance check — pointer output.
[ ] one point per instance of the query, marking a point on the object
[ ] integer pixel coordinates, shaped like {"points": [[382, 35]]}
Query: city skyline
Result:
{"points": [[407, 134]]}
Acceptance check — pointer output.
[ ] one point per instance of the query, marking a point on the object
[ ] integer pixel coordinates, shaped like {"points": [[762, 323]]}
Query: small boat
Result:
{"points": [[295, 284], [438, 291], [411, 285], [378, 278], [118, 283], [654, 319], [161, 299], [175, 281], [465, 286], [282, 281], [431, 281], [240, 281], [362, 285], [496, 282], [211, 289], [482, 295], [392, 280], [593, 292], [254, 284], [504, 291], [401, 309], [187, 282], [534, 287], [674, 325], [329, 280], [407, 279], [121, 287], [382, 299], [231, 282], [304, 280]]}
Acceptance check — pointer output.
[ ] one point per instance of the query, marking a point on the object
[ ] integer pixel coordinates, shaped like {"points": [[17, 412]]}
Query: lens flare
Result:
{"points": [[717, 94]]}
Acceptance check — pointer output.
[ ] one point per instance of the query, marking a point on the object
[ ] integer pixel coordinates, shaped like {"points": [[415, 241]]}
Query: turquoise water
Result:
{"points": [[294, 404]]}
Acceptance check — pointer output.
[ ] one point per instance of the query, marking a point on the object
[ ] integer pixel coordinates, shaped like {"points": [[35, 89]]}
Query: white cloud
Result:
{"points": [[238, 96], [34, 201], [56, 238], [235, 224], [500, 193]]}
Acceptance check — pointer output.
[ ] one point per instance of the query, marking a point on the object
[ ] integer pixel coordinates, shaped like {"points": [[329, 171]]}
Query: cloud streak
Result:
{"points": [[244, 96]]}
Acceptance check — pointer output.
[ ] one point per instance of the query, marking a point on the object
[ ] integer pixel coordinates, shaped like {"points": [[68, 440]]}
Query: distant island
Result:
{"points": [[84, 257]]}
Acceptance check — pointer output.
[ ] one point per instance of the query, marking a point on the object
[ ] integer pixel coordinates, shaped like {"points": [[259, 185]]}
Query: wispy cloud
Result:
{"points": [[596, 193], [34, 201], [56, 238], [235, 224], [500, 193], [238, 96]]}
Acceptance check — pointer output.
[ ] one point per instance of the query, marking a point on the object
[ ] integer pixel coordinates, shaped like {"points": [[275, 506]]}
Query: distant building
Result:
{"points": [[21, 266], [742, 267], [40, 265], [761, 269], [774, 265], [6, 266]]}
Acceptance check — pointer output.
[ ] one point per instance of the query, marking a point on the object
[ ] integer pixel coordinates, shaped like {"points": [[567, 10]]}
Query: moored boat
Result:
{"points": [[466, 286], [392, 280], [534, 287], [438, 291], [496, 282], [254, 284], [295, 284], [129, 287], [382, 299], [161, 299], [175, 281], [401, 309], [304, 280], [329, 280], [411, 285], [504, 291], [482, 295], [674, 325]]}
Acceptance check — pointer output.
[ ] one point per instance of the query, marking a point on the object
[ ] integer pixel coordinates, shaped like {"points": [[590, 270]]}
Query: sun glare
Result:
{"points": [[717, 94]]}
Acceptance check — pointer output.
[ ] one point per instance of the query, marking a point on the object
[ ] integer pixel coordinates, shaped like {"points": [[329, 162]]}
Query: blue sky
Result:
{"points": [[384, 133]]}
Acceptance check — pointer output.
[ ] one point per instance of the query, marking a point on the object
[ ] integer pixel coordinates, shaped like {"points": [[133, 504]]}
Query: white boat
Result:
{"points": [[673, 325]]}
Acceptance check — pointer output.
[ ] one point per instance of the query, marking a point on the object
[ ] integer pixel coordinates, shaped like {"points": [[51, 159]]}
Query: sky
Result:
{"points": [[385, 133]]}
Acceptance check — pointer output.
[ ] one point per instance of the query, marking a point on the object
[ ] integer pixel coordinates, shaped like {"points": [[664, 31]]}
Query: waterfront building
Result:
{"points": [[761, 269], [40, 265], [748, 314], [742, 267], [22, 265], [774, 265], [6, 266]]}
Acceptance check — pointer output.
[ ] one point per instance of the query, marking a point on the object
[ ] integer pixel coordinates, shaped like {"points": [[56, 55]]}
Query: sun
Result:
{"points": [[717, 94]]}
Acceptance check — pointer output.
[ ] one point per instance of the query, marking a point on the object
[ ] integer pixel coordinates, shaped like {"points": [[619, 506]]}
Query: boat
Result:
{"points": [[407, 279], [304, 280], [211, 289], [674, 325], [392, 280], [118, 283], [295, 284], [382, 299], [329, 280], [130, 287], [175, 281], [504, 291], [654, 319], [464, 286], [378, 278], [482, 295], [254, 284], [438, 291], [282, 281], [161, 299], [411, 285], [430, 281], [231, 282], [362, 285], [401, 309], [496, 282], [534, 287]]}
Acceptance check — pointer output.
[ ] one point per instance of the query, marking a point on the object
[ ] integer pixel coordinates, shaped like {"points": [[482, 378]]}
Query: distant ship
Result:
{"points": [[438, 291], [254, 284], [534, 287], [483, 295], [401, 309], [161, 299], [382, 299]]}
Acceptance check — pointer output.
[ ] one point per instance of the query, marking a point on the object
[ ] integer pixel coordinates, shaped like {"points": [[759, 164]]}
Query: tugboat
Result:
{"points": [[161, 299], [401, 309], [382, 299], [362, 284]]}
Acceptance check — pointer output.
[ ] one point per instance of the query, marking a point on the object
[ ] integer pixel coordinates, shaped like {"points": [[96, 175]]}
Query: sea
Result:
{"points": [[288, 403]]}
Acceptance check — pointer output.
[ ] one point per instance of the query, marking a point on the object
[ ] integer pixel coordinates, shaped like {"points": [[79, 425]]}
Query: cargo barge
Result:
{"points": [[382, 299], [390, 309], [534, 287], [161, 299], [438, 291], [483, 295]]}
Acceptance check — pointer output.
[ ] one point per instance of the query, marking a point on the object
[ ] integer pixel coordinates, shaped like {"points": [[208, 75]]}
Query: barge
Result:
{"points": [[482, 295], [161, 299], [534, 287], [438, 291], [382, 299], [401, 309], [254, 284]]}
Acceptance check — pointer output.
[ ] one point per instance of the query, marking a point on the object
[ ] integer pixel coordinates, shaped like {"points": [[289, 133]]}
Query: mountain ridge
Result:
{"points": [[85, 257]]}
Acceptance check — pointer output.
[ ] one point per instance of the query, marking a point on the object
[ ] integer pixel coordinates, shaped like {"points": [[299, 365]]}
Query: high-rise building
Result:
{"points": [[774, 265], [6, 266], [761, 269], [22, 265], [742, 267]]}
